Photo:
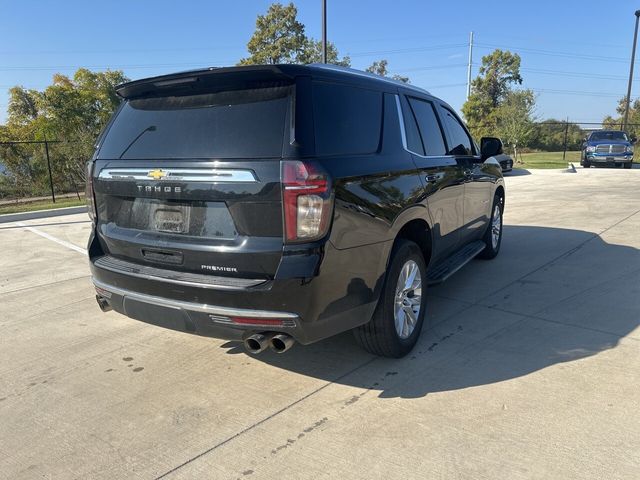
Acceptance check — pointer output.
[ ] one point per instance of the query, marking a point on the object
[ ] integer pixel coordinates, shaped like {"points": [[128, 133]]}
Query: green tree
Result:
{"points": [[615, 123], [514, 119], [550, 136], [280, 38], [313, 54], [72, 110], [379, 67], [499, 72]]}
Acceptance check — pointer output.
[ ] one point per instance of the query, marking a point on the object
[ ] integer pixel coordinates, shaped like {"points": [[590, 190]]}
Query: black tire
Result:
{"points": [[380, 336], [492, 249], [627, 165], [586, 164]]}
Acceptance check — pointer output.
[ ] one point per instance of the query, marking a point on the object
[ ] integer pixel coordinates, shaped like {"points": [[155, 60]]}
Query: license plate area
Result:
{"points": [[198, 219], [170, 218]]}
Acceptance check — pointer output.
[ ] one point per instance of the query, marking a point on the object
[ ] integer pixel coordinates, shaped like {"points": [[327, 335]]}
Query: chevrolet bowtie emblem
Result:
{"points": [[157, 174]]}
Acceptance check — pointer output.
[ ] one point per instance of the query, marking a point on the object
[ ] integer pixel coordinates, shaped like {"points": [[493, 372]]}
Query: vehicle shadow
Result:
{"points": [[552, 296]]}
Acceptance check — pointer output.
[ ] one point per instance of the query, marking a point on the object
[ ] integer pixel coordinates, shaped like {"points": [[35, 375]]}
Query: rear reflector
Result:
{"points": [[253, 321], [102, 292]]}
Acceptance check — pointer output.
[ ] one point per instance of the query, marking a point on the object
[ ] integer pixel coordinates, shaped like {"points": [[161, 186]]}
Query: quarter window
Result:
{"points": [[429, 127], [347, 120], [460, 142]]}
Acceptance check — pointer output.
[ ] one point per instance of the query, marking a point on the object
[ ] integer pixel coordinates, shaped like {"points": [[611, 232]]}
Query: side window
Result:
{"points": [[347, 120], [414, 142], [460, 140], [429, 127]]}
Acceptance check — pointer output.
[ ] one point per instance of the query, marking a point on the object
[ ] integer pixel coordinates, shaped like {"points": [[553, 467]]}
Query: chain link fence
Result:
{"points": [[35, 170], [551, 144], [50, 169]]}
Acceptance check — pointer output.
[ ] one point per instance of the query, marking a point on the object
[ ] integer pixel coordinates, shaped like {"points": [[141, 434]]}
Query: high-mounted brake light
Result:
{"points": [[307, 201]]}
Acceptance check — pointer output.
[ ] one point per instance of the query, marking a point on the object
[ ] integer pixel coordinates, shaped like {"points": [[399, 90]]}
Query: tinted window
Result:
{"points": [[460, 143], [414, 142], [429, 127], [234, 124], [347, 120], [621, 136]]}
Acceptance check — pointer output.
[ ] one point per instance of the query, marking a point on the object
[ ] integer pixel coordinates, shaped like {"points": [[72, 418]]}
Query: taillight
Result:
{"points": [[88, 196], [307, 201]]}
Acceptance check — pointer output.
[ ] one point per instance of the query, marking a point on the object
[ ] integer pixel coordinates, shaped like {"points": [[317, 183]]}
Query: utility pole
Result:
{"points": [[469, 65], [566, 133], [46, 150], [633, 59], [324, 31]]}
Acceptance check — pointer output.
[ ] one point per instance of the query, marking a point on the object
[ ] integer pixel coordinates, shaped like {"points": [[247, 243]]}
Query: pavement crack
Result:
{"points": [[265, 419], [39, 286]]}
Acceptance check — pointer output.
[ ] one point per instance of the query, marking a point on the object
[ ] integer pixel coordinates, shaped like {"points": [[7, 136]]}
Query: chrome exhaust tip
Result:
{"points": [[281, 342], [103, 303], [257, 343]]}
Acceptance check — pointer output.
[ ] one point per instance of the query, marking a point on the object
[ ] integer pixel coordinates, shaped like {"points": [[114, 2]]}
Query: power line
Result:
{"points": [[446, 85], [553, 53], [217, 63], [430, 67], [121, 50], [578, 92], [112, 67], [557, 40], [575, 74], [407, 50]]}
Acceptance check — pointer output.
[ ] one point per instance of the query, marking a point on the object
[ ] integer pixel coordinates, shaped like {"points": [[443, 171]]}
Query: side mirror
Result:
{"points": [[634, 139], [490, 146]]}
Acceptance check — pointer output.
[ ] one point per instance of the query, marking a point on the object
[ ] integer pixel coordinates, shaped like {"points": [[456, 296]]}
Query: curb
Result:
{"points": [[53, 212]]}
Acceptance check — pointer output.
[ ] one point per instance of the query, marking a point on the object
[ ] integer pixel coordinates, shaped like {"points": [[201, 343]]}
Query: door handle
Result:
{"points": [[432, 178]]}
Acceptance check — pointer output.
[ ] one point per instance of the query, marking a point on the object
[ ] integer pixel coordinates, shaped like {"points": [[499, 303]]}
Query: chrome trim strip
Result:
{"points": [[218, 175], [403, 134], [196, 307], [360, 73], [187, 283]]}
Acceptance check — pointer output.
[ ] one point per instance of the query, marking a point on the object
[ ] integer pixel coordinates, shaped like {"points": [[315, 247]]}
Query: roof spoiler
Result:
{"points": [[210, 80]]}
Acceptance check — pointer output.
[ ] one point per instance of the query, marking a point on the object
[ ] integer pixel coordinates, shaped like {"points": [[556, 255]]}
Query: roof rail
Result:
{"points": [[362, 73]]}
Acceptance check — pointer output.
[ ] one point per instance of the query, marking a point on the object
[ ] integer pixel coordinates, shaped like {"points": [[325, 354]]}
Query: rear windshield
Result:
{"points": [[232, 124], [609, 136]]}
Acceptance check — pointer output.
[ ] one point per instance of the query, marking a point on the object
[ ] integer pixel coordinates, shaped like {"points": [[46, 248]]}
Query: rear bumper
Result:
{"points": [[340, 297], [190, 317]]}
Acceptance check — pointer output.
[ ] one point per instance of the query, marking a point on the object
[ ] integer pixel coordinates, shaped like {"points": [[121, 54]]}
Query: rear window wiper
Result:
{"points": [[150, 128]]}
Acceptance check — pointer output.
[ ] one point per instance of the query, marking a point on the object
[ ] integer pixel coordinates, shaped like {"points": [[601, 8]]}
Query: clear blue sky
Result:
{"points": [[576, 58]]}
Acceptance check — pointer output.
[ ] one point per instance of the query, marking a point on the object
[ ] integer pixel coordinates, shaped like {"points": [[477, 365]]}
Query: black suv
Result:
{"points": [[284, 203]]}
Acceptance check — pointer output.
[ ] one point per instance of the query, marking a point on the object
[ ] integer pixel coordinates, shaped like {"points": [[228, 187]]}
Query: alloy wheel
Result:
{"points": [[408, 299]]}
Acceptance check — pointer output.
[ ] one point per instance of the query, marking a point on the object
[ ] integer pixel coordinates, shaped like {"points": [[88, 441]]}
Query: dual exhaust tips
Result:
{"points": [[259, 342]]}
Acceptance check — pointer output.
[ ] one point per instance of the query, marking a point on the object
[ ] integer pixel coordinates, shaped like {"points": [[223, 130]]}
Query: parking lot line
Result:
{"points": [[59, 241]]}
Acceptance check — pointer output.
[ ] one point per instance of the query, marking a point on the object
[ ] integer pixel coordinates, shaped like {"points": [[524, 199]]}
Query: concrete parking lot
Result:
{"points": [[529, 368]]}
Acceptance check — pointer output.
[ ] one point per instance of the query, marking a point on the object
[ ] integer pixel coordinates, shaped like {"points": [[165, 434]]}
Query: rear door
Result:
{"points": [[192, 182], [441, 174], [477, 182]]}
